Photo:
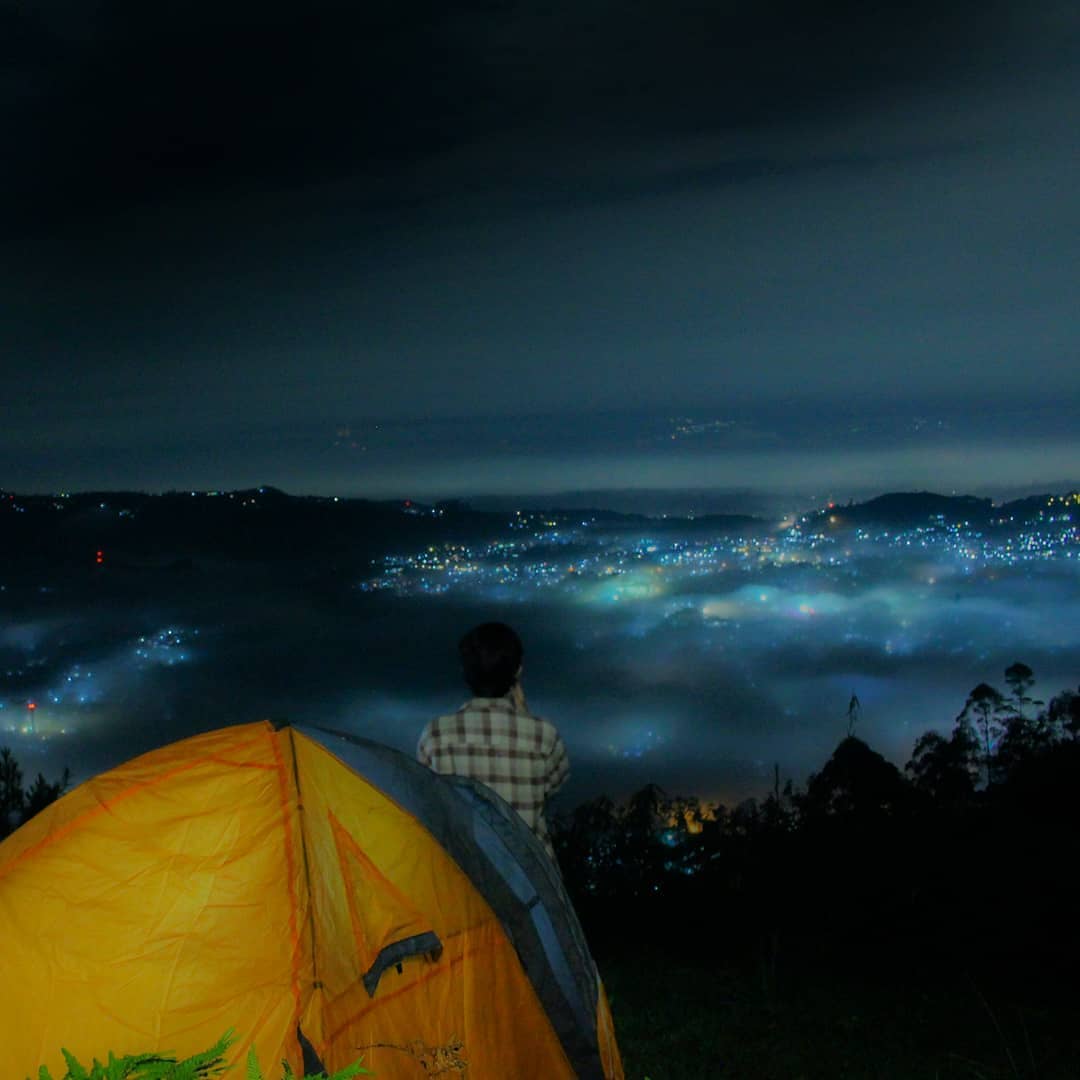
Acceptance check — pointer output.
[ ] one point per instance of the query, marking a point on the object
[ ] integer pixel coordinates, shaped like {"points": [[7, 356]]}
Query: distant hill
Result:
{"points": [[133, 530], [920, 508], [1039, 508], [105, 532], [906, 509], [614, 519]]}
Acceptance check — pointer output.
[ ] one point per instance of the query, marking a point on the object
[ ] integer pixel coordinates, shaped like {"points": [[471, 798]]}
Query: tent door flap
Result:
{"points": [[426, 944]]}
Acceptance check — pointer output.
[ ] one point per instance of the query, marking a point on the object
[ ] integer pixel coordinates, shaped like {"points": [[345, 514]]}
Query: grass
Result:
{"points": [[679, 1020]]}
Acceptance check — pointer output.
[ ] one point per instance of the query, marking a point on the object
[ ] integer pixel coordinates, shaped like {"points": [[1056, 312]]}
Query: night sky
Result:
{"points": [[432, 248]]}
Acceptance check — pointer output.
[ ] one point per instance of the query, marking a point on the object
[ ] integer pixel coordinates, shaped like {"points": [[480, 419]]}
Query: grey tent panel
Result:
{"points": [[509, 867], [577, 983]]}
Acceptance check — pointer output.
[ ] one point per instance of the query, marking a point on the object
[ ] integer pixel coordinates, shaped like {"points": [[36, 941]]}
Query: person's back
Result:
{"points": [[493, 738]]}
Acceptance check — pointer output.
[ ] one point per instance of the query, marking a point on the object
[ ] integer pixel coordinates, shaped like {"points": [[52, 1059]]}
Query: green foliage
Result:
{"points": [[201, 1066], [255, 1073], [147, 1066]]}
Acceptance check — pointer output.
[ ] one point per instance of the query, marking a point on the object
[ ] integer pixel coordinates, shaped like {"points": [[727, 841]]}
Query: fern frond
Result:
{"points": [[352, 1070], [159, 1069], [253, 1070], [136, 1067], [150, 1067], [209, 1062], [75, 1070]]}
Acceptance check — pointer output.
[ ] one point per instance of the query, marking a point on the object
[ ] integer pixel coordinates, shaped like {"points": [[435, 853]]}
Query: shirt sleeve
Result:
{"points": [[558, 767], [422, 754]]}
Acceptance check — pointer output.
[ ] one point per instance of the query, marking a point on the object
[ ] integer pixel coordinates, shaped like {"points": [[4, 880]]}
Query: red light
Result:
{"points": [[99, 558], [31, 705]]}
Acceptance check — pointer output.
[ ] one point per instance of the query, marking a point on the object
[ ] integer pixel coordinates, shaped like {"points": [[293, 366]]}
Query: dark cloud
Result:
{"points": [[140, 103], [231, 226]]}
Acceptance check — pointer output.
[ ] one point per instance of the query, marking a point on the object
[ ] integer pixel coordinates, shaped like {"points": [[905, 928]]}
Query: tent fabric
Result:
{"points": [[508, 864], [322, 895]]}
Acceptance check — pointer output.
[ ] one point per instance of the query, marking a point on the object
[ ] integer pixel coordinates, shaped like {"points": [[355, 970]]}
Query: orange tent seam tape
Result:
{"points": [[290, 863]]}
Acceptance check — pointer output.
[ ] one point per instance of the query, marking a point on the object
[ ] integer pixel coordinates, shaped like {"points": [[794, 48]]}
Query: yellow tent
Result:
{"points": [[324, 896]]}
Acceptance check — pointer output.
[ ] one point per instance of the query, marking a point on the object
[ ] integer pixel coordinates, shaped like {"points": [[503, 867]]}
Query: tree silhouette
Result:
{"points": [[1020, 679], [946, 769], [589, 846], [1064, 712], [642, 824], [18, 806], [779, 812], [985, 704], [855, 782], [11, 792], [42, 793], [1024, 736], [877, 847]]}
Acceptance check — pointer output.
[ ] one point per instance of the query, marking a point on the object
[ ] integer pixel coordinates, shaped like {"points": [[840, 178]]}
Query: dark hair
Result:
{"points": [[490, 658]]}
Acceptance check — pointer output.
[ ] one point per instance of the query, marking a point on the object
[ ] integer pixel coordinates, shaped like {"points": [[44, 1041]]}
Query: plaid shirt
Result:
{"points": [[518, 755]]}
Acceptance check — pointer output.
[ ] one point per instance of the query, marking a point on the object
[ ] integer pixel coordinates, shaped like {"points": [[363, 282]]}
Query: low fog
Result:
{"points": [[691, 660]]}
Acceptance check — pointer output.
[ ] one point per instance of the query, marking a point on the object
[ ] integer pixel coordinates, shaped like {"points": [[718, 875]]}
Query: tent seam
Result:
{"points": [[307, 864], [290, 861]]}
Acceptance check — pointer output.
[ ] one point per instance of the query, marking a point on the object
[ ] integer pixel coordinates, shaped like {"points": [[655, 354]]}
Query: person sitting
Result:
{"points": [[493, 737]]}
